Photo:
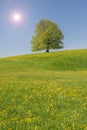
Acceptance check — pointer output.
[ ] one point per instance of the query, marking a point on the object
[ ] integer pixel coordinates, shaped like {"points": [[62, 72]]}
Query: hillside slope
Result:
{"points": [[56, 61], [46, 91]]}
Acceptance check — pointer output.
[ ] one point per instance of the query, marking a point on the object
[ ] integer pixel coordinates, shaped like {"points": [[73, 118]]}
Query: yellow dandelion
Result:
{"points": [[1, 123], [85, 128]]}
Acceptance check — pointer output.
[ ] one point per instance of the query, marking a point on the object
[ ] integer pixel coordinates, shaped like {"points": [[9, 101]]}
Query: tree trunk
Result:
{"points": [[47, 49]]}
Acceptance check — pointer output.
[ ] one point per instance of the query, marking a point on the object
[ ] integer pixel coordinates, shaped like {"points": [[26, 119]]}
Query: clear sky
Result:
{"points": [[70, 15]]}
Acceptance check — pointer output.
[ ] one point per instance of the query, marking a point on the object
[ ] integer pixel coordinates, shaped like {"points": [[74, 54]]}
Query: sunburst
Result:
{"points": [[16, 17]]}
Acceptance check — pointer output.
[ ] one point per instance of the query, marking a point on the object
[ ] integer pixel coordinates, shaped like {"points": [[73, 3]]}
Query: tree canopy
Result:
{"points": [[47, 36]]}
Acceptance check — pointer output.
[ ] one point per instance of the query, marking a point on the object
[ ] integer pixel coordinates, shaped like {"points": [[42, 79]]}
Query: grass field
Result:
{"points": [[46, 91]]}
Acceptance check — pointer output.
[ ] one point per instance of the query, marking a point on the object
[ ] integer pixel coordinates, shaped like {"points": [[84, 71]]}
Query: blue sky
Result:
{"points": [[70, 15]]}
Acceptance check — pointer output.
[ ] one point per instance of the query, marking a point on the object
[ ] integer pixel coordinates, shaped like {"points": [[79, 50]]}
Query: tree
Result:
{"points": [[47, 36]]}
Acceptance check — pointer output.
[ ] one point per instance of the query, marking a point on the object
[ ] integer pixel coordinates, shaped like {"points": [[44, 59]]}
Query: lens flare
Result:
{"points": [[16, 17]]}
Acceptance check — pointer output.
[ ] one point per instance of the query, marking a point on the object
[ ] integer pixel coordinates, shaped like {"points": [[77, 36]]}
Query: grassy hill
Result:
{"points": [[54, 61], [46, 91]]}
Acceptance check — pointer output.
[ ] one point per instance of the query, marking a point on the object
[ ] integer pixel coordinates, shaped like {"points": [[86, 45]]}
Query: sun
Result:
{"points": [[16, 17]]}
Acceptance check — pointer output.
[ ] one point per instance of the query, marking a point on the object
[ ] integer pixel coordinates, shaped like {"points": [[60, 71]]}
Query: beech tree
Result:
{"points": [[47, 36]]}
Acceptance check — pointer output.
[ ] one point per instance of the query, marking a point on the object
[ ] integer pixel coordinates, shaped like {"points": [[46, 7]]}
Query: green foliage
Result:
{"points": [[34, 99], [47, 35]]}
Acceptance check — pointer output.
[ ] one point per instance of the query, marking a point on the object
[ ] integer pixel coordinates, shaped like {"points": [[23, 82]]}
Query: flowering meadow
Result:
{"points": [[44, 91]]}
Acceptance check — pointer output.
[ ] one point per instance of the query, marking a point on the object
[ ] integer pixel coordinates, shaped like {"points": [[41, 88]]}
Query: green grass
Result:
{"points": [[46, 91]]}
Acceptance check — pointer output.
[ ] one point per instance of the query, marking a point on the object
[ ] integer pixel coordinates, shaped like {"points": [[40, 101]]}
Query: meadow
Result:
{"points": [[46, 91]]}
